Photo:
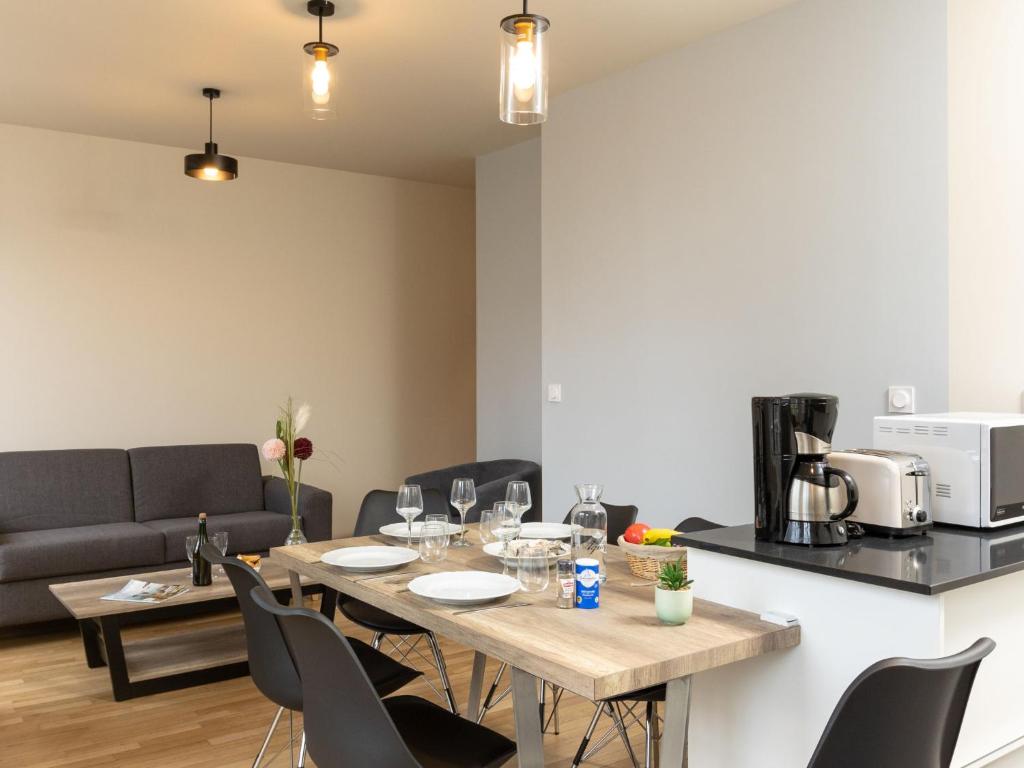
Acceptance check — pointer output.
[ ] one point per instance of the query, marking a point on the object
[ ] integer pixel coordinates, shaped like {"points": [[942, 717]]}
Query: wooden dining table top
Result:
{"points": [[617, 648]]}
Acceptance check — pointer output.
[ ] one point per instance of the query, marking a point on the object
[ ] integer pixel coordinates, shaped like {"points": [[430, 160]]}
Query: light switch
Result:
{"points": [[554, 393], [902, 399]]}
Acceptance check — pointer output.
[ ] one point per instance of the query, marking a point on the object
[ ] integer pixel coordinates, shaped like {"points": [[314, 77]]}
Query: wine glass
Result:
{"points": [[220, 541], [409, 506], [517, 495], [463, 498], [532, 560], [486, 525], [506, 525], [190, 547]]}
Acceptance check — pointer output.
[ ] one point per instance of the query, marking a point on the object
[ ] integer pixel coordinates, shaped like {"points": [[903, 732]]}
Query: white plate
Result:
{"points": [[546, 531], [497, 549], [464, 587], [369, 559], [398, 530]]}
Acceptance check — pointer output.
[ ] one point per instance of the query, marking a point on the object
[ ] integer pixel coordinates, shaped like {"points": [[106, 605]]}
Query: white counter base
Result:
{"points": [[770, 712]]}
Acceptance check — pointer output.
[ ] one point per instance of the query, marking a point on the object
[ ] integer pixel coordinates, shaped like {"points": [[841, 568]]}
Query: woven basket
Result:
{"points": [[645, 560]]}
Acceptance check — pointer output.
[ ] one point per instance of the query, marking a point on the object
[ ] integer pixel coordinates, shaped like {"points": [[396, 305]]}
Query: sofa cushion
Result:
{"points": [[247, 531], [183, 480], [40, 490], [85, 549]]}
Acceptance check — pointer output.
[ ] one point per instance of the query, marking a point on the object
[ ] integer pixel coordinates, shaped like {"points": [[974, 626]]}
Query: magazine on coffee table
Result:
{"points": [[136, 591]]}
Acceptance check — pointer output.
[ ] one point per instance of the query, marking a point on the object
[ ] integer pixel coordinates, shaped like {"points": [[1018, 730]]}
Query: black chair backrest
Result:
{"points": [[619, 519], [378, 508], [694, 524], [345, 722], [270, 664], [902, 713]]}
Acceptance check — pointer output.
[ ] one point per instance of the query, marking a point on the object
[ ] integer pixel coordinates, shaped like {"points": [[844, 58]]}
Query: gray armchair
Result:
{"points": [[491, 479]]}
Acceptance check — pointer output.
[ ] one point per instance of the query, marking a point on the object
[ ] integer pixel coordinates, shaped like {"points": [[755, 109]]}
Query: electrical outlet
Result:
{"points": [[902, 399], [554, 393]]}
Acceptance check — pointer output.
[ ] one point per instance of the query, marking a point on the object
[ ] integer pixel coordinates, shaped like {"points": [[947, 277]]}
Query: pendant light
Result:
{"points": [[209, 166], [318, 68], [524, 68]]}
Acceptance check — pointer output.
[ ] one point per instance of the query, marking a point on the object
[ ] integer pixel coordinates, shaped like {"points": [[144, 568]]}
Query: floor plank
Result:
{"points": [[55, 712]]}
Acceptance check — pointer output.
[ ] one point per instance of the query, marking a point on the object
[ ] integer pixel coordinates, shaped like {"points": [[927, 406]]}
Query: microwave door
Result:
{"points": [[1006, 475]]}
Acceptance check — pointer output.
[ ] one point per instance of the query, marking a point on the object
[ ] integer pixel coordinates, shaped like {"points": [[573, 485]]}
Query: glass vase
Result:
{"points": [[295, 535]]}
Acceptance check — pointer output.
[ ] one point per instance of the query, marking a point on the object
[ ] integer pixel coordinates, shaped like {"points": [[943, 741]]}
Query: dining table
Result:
{"points": [[617, 648]]}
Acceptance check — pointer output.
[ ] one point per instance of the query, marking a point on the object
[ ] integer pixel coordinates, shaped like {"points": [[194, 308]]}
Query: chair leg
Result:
{"points": [[552, 716], [291, 739], [302, 750], [620, 726], [649, 736], [270, 735], [442, 670], [376, 641], [587, 736], [489, 700]]}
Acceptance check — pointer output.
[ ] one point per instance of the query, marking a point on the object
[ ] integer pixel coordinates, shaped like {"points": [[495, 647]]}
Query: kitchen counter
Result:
{"points": [[922, 597], [929, 564]]}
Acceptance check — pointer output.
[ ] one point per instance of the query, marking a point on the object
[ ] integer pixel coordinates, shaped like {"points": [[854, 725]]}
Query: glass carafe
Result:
{"points": [[590, 525]]}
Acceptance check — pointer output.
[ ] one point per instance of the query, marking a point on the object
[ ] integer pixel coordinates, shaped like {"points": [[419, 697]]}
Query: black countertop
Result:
{"points": [[941, 560]]}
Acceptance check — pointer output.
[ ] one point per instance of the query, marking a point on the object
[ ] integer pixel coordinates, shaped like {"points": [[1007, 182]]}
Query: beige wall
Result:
{"points": [[142, 307], [986, 187]]}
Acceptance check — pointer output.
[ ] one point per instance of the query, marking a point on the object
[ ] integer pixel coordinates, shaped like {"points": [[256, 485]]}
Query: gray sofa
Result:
{"points": [[491, 479], [79, 514]]}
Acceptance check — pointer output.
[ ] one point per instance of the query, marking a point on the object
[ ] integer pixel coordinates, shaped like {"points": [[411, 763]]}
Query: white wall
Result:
{"points": [[508, 387], [142, 307], [986, 192], [762, 212]]}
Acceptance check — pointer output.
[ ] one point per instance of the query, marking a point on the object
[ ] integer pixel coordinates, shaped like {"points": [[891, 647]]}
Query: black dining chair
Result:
{"points": [[377, 509], [270, 664], [623, 710], [902, 713], [619, 519], [348, 724]]}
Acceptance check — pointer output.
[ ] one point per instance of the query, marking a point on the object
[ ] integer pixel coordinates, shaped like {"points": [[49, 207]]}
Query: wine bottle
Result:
{"points": [[202, 570]]}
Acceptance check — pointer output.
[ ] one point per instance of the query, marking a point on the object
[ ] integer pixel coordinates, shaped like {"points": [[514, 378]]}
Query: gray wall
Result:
{"points": [[762, 212], [508, 400]]}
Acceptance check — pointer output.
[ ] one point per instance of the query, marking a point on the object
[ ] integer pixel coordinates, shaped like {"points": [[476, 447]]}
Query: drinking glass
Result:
{"points": [[533, 567], [517, 495], [463, 498], [409, 506], [219, 539], [434, 541], [506, 525], [486, 524], [190, 546]]}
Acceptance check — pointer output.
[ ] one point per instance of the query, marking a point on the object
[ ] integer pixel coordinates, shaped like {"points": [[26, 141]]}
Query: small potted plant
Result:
{"points": [[673, 599]]}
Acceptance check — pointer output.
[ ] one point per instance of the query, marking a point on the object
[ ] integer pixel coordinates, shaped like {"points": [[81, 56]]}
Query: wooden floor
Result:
{"points": [[55, 711]]}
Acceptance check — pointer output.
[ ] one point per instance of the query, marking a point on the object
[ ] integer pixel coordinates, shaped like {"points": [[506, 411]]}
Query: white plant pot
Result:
{"points": [[673, 607]]}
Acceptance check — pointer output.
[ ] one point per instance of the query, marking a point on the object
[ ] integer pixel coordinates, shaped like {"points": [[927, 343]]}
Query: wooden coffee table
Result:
{"points": [[179, 659]]}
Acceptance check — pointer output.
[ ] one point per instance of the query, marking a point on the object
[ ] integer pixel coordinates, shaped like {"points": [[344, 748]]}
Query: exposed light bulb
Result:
{"points": [[209, 172], [321, 78], [524, 70]]}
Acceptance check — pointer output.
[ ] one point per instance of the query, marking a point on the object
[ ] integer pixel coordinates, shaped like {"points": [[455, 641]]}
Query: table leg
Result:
{"points": [[529, 741], [476, 685], [92, 643], [293, 577], [116, 664], [677, 721], [328, 602]]}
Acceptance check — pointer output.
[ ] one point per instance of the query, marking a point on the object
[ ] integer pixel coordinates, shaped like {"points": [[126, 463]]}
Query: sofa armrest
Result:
{"points": [[314, 506]]}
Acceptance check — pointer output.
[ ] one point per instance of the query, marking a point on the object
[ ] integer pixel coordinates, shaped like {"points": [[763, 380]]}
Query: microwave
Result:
{"points": [[976, 462]]}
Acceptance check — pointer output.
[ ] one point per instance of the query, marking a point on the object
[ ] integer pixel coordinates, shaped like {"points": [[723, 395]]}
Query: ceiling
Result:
{"points": [[418, 78]]}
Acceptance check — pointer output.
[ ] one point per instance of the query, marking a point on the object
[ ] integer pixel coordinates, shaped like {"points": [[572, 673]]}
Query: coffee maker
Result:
{"points": [[797, 493]]}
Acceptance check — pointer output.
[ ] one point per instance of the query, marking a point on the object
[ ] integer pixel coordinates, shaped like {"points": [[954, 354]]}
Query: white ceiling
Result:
{"points": [[418, 77]]}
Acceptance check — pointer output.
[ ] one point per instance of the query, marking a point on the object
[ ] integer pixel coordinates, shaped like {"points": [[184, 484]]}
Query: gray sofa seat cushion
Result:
{"points": [[81, 550], [178, 481], [247, 531], [40, 490]]}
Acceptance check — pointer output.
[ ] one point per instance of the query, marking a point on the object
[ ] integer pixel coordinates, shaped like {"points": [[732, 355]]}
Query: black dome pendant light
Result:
{"points": [[209, 166]]}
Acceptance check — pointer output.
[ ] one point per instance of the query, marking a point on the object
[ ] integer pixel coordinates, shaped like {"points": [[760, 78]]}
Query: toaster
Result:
{"points": [[893, 489]]}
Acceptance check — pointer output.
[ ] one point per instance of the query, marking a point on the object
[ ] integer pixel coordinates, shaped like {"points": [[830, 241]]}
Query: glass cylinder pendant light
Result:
{"points": [[318, 67], [524, 68], [210, 166]]}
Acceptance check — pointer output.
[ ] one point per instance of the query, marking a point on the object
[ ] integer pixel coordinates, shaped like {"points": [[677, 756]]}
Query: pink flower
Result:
{"points": [[274, 449]]}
